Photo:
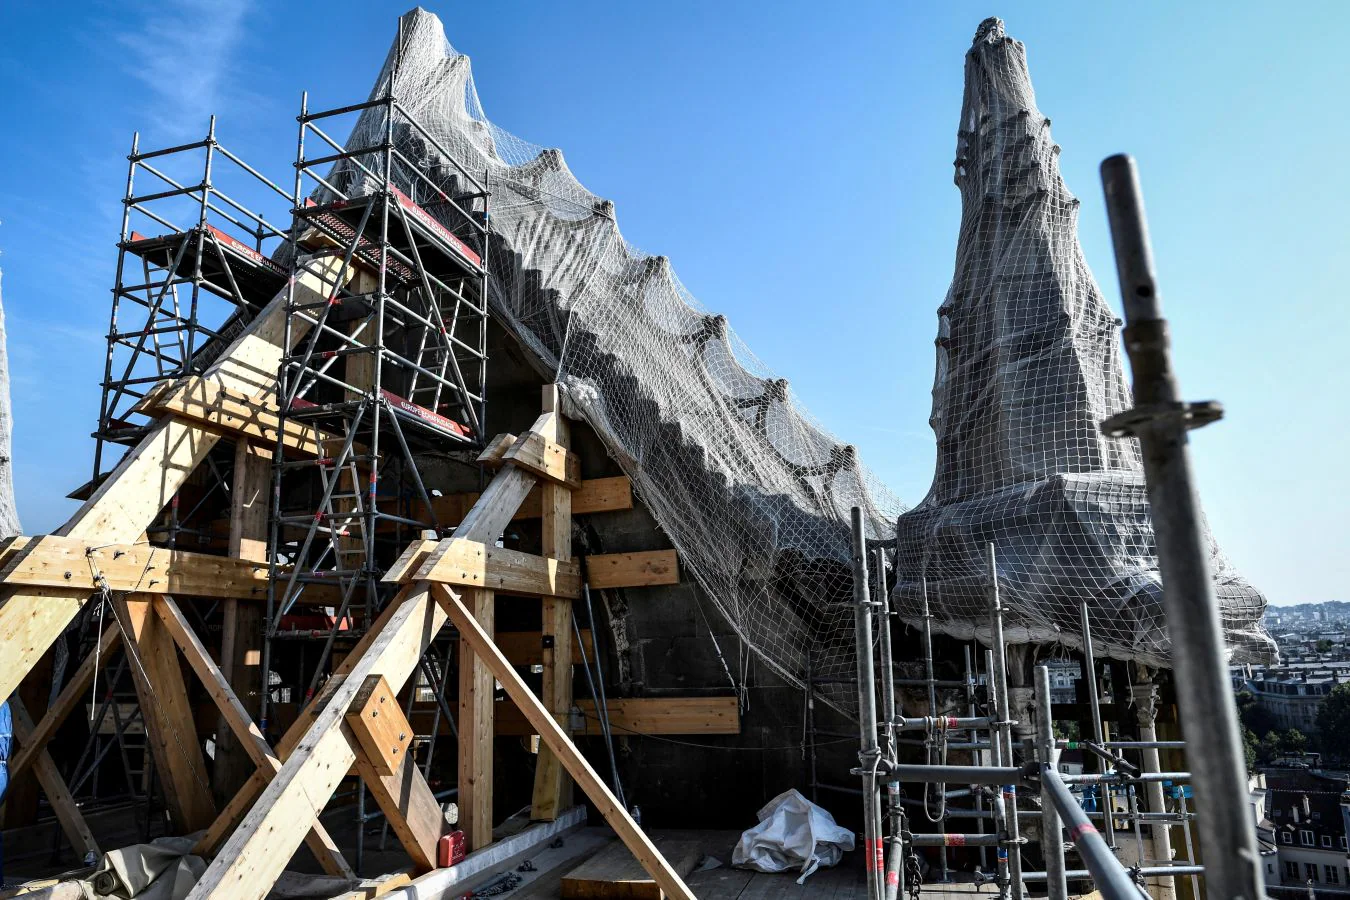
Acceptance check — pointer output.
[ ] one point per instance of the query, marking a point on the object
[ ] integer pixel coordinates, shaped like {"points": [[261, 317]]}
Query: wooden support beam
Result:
{"points": [[596, 495], [242, 623], [144, 482], [613, 873], [57, 563], [380, 727], [542, 719], [640, 716], [70, 699], [546, 458], [239, 721], [526, 648], [167, 714], [58, 795], [552, 788], [475, 729], [232, 412], [316, 751], [249, 862], [626, 570], [383, 738], [470, 564]]}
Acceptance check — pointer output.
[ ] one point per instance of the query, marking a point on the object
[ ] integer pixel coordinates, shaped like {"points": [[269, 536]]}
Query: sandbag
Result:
{"points": [[792, 832]]}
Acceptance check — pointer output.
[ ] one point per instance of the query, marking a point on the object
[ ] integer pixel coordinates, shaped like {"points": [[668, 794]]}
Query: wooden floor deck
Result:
{"points": [[845, 882]]}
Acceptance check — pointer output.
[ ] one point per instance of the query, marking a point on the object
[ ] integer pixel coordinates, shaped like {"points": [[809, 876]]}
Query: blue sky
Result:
{"points": [[794, 161]]}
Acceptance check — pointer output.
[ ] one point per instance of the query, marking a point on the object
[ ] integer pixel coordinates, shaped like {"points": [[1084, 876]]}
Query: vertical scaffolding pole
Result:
{"points": [[1159, 419], [1098, 737], [1052, 841], [895, 858], [999, 677], [869, 756]]}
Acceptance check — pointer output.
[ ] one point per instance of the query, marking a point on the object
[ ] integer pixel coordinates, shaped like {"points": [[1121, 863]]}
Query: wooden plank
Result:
{"points": [[614, 874], [53, 785], [547, 459], [556, 738], [240, 723], [167, 714], [626, 570], [242, 623], [129, 499], [234, 413], [596, 495], [526, 648], [51, 561], [70, 698], [380, 726], [470, 564], [552, 788], [475, 729], [496, 448], [642, 715]]}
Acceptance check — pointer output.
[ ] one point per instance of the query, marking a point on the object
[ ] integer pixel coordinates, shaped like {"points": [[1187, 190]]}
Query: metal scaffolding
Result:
{"points": [[188, 288]]}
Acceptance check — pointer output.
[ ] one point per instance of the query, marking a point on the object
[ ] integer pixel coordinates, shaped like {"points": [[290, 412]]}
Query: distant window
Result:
{"points": [[1333, 874], [1291, 870], [1306, 838], [1316, 817], [1326, 841], [1286, 838], [1310, 869], [1342, 842]]}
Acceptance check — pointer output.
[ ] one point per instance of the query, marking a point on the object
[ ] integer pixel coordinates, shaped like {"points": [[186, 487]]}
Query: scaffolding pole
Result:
{"points": [[1160, 420]]}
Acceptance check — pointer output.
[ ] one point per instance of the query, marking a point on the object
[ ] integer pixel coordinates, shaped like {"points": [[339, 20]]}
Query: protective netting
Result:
{"points": [[1028, 366], [754, 494]]}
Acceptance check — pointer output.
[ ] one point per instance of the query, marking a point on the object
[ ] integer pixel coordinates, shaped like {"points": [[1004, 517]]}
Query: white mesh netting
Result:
{"points": [[754, 494], [1028, 366]]}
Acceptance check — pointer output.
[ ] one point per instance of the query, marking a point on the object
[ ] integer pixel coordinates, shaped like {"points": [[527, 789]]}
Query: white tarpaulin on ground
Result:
{"points": [[792, 833]]}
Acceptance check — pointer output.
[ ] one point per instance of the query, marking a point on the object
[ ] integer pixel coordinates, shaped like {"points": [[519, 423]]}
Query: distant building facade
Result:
{"points": [[1307, 812], [1292, 695]]}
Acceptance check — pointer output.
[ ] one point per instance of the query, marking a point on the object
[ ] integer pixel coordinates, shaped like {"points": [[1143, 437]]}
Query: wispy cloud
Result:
{"points": [[182, 50]]}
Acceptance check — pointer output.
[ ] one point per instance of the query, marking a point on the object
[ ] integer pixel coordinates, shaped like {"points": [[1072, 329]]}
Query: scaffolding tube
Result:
{"points": [[1199, 658], [1052, 841]]}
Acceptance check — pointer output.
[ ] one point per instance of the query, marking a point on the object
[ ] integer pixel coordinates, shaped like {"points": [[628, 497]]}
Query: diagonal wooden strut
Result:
{"points": [[542, 719], [249, 862], [237, 718]]}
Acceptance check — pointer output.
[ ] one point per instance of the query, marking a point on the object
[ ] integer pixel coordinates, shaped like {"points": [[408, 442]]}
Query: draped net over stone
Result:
{"points": [[752, 492], [1028, 367]]}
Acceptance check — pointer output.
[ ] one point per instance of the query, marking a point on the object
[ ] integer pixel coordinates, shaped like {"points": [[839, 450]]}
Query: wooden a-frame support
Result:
{"points": [[118, 513], [292, 786], [255, 853]]}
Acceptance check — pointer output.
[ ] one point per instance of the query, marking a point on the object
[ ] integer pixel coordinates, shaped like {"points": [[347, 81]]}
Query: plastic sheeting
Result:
{"points": [[1028, 366], [754, 494], [793, 833]]}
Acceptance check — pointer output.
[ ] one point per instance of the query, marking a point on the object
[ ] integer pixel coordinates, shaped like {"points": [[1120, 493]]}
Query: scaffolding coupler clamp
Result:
{"points": [[1190, 415]]}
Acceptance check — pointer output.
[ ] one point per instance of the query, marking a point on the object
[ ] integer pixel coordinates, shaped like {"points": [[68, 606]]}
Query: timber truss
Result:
{"points": [[101, 554]]}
